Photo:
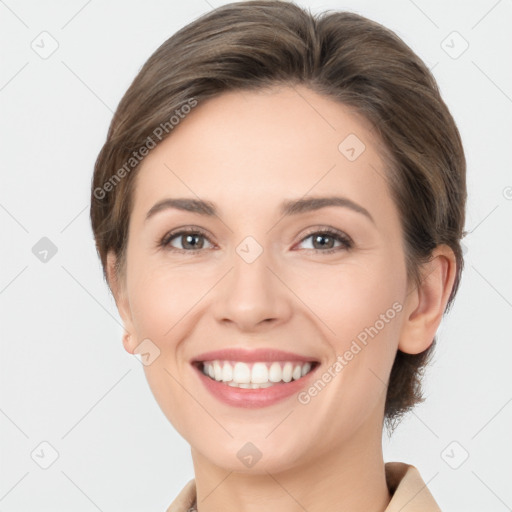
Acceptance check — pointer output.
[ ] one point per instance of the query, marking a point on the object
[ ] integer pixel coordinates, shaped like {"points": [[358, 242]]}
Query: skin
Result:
{"points": [[247, 152]]}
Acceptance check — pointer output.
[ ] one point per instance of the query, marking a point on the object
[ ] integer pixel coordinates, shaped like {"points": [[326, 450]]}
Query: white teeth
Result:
{"points": [[259, 374], [287, 372], [255, 375], [263, 385], [305, 369], [242, 373], [227, 372], [275, 372], [217, 370]]}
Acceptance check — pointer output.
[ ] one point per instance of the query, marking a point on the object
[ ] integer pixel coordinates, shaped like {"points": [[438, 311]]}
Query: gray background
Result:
{"points": [[65, 377]]}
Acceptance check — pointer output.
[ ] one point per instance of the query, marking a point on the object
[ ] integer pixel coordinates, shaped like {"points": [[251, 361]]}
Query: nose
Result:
{"points": [[253, 295]]}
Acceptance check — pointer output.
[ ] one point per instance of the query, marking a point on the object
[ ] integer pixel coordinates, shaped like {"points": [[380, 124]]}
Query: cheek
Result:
{"points": [[359, 307], [161, 297], [162, 303], [350, 298]]}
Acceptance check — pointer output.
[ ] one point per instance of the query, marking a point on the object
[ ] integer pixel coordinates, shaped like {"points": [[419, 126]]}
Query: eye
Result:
{"points": [[323, 240], [191, 240]]}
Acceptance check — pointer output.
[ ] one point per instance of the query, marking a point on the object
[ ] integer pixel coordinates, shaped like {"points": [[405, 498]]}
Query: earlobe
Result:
{"points": [[425, 305], [128, 344]]}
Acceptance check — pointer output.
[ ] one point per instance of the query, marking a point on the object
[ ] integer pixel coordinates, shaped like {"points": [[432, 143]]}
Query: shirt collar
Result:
{"points": [[409, 491]]}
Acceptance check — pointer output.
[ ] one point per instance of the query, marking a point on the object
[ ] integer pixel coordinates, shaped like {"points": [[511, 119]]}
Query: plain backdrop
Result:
{"points": [[72, 399]]}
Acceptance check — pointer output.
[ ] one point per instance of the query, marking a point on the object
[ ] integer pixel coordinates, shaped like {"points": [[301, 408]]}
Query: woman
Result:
{"points": [[278, 209]]}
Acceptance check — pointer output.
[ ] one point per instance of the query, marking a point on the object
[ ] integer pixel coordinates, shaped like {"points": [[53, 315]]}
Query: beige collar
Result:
{"points": [[409, 492]]}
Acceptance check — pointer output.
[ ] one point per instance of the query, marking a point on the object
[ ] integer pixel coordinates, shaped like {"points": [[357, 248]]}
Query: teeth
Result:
{"points": [[242, 373], [306, 369], [259, 374], [227, 372], [287, 372], [254, 375], [217, 370], [275, 373]]}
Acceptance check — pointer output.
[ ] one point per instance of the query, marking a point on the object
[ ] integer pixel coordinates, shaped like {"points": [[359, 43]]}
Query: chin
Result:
{"points": [[251, 456]]}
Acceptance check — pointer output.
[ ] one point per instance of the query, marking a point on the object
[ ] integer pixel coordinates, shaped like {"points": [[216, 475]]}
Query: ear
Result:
{"points": [[426, 303], [118, 289]]}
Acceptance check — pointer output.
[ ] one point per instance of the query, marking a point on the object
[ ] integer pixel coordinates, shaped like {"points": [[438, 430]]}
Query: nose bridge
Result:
{"points": [[252, 293], [251, 282], [250, 266]]}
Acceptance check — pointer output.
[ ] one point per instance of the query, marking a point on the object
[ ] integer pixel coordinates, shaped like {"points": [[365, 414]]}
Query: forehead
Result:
{"points": [[245, 146]]}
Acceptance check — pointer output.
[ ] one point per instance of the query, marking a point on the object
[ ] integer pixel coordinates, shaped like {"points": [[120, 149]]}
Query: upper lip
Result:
{"points": [[250, 356]]}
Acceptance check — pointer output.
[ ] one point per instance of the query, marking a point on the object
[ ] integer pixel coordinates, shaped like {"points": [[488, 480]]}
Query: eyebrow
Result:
{"points": [[289, 207]]}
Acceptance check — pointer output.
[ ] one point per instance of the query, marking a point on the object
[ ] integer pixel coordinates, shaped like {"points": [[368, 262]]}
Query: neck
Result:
{"points": [[350, 476]]}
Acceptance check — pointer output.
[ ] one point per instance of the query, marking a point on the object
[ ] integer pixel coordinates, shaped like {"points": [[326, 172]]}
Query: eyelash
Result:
{"points": [[346, 241]]}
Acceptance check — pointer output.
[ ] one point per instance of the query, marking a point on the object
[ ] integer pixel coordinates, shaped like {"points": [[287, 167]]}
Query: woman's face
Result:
{"points": [[260, 275]]}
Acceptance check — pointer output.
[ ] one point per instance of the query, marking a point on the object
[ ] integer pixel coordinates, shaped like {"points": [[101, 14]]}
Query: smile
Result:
{"points": [[255, 375], [249, 394]]}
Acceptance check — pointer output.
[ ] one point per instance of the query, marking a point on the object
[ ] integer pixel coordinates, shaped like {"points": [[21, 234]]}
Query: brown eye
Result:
{"points": [[325, 240], [187, 241]]}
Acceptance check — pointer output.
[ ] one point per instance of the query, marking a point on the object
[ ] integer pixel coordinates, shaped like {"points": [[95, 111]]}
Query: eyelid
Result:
{"points": [[175, 233], [327, 230], [345, 240]]}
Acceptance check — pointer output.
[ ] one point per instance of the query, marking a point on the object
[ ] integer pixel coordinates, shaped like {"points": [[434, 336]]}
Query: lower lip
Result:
{"points": [[253, 398]]}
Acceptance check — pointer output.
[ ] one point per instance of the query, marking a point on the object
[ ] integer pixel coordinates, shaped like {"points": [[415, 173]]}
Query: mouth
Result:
{"points": [[255, 375], [256, 378]]}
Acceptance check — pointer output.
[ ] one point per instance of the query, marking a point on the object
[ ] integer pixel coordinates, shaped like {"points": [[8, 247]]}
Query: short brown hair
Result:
{"points": [[341, 55]]}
